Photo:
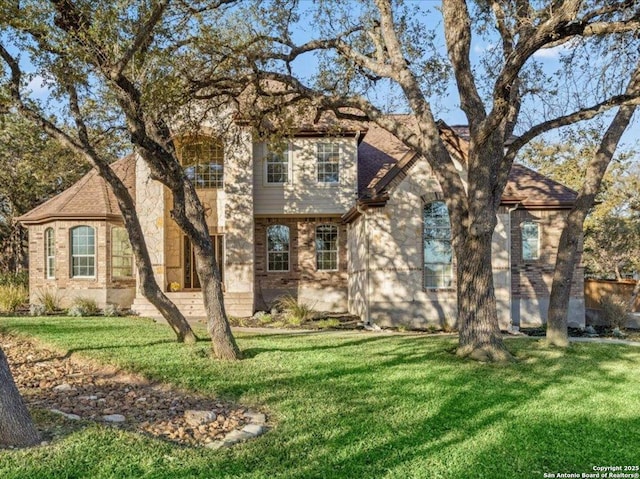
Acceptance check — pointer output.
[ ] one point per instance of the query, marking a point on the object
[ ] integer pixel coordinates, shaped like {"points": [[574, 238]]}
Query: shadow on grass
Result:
{"points": [[398, 407]]}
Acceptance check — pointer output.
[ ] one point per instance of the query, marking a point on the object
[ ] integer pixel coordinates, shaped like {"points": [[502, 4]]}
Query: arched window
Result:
{"points": [[438, 253], [327, 247], [83, 252], [530, 241], [49, 253], [203, 162], [121, 254], [278, 248]]}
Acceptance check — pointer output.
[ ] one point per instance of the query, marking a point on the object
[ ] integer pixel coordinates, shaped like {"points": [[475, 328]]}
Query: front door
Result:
{"points": [[191, 280]]}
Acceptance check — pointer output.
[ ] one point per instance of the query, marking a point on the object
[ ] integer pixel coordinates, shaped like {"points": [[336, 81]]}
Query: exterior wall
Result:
{"points": [[103, 288], [395, 257], [303, 195], [531, 280], [358, 276], [150, 201], [229, 212], [323, 290]]}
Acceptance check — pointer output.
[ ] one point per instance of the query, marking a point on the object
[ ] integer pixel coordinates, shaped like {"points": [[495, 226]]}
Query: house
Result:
{"points": [[343, 218]]}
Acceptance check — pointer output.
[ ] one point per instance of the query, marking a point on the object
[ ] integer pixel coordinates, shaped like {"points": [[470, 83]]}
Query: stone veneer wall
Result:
{"points": [[393, 289], [323, 290], [531, 280], [103, 288]]}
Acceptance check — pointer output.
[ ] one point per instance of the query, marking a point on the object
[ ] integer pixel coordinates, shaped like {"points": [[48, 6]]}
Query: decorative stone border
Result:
{"points": [[255, 428]]}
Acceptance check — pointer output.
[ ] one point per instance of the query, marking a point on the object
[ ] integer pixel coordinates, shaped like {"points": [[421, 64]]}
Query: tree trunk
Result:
{"points": [[567, 257], [189, 213], [480, 336], [16, 426], [148, 284], [557, 333]]}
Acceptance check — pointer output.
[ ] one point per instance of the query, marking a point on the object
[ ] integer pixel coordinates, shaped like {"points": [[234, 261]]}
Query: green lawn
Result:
{"points": [[358, 405]]}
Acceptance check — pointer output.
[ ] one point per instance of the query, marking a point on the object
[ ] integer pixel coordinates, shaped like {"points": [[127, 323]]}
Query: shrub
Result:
{"points": [[111, 310], [329, 323], [15, 279], [295, 313], [613, 310], [84, 307], [49, 299], [37, 309], [12, 297]]}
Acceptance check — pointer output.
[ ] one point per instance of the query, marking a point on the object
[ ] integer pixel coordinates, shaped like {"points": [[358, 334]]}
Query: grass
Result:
{"points": [[347, 404], [12, 297]]}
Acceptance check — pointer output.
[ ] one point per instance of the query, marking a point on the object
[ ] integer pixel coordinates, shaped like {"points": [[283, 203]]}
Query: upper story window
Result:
{"points": [[530, 241], [278, 248], [203, 162], [328, 161], [83, 252], [327, 247], [277, 167], [49, 253], [121, 254], [438, 253]]}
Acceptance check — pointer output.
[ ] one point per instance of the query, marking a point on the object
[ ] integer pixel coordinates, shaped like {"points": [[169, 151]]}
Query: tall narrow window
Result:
{"points": [[328, 161], [530, 241], [327, 247], [203, 162], [277, 167], [438, 254], [121, 254], [278, 248], [83, 252], [50, 253]]}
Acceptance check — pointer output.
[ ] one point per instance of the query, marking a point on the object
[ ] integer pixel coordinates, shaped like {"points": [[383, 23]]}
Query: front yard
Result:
{"points": [[356, 405]]}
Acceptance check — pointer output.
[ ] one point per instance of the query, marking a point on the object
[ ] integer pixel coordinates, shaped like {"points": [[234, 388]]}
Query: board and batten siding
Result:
{"points": [[302, 194]]}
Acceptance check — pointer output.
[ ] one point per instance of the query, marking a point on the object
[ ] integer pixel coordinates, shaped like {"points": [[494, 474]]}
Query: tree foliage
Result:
{"points": [[33, 169]]}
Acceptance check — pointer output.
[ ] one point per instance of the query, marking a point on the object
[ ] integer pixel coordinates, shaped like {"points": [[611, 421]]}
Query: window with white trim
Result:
{"points": [[121, 254], [83, 252], [438, 252], [328, 162], [278, 248], [203, 162], [277, 167], [327, 247], [530, 241], [49, 253]]}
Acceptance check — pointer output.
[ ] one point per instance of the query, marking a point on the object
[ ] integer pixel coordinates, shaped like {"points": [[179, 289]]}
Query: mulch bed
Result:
{"points": [[57, 388]]}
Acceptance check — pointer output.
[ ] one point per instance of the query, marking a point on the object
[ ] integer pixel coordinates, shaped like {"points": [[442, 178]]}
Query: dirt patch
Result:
{"points": [[65, 392]]}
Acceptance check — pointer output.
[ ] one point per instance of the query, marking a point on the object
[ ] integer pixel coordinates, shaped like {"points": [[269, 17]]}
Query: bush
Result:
{"points": [[12, 297], [36, 309], [84, 307], [49, 299], [295, 313], [111, 310], [15, 279], [613, 310]]}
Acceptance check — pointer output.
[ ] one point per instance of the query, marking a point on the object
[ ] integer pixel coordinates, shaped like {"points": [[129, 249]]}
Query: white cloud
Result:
{"points": [[554, 52], [37, 86]]}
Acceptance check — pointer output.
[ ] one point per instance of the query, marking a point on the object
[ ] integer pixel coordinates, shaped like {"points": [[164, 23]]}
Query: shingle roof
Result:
{"points": [[89, 198], [381, 156]]}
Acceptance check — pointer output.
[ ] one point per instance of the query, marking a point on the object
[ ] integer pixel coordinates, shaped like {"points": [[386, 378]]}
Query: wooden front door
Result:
{"points": [[191, 280]]}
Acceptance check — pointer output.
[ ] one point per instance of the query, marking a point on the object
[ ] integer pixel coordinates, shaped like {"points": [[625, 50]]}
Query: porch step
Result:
{"points": [[192, 306]]}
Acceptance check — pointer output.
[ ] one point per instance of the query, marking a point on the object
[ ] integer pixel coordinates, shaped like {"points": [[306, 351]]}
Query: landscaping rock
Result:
{"points": [[237, 436], [253, 429], [73, 417], [256, 417], [63, 387], [114, 418], [198, 418]]}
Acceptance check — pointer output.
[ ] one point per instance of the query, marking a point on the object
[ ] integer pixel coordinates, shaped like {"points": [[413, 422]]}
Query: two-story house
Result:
{"points": [[343, 218]]}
